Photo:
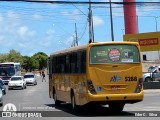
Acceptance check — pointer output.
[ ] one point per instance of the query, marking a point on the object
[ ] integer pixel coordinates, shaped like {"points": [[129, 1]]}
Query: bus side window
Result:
{"points": [[67, 65], [63, 62], [54, 65], [58, 67], [84, 62], [79, 62], [73, 62], [49, 66]]}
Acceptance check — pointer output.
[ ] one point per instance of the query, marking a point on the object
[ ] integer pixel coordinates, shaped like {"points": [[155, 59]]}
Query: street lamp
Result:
{"points": [[155, 17], [156, 31]]}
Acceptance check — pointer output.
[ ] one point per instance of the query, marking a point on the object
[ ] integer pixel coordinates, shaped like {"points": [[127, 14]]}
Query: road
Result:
{"points": [[36, 98]]}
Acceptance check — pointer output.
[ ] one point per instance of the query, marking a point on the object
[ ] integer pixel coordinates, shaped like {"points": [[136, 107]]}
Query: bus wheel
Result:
{"points": [[116, 107], [57, 102], [73, 103]]}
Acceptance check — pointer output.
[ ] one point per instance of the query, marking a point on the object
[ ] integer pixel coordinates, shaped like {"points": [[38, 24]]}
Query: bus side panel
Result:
{"points": [[78, 84], [51, 86], [64, 83]]}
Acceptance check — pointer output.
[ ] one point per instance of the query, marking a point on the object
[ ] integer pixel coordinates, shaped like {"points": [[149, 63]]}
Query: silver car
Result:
{"points": [[2, 86], [30, 78], [1, 98]]}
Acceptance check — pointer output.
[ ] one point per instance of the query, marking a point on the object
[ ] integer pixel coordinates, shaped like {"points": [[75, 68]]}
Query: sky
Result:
{"points": [[44, 27]]}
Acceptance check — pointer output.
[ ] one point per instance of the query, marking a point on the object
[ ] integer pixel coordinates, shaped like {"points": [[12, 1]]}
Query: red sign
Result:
{"points": [[114, 54], [148, 41]]}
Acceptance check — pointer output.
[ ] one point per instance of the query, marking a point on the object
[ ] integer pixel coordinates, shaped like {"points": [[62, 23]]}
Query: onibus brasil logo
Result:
{"points": [[8, 109]]}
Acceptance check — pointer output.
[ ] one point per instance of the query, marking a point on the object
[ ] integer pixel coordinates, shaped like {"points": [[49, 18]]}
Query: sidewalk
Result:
{"points": [[152, 91]]}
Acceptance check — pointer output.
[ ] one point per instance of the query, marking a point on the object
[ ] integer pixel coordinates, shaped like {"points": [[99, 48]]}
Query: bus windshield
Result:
{"points": [[114, 54], [7, 71]]}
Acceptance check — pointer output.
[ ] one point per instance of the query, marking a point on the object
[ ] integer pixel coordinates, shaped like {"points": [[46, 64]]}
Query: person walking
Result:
{"points": [[43, 76], [40, 73]]}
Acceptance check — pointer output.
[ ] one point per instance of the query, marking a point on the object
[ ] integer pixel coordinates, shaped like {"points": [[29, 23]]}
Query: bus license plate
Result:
{"points": [[115, 87]]}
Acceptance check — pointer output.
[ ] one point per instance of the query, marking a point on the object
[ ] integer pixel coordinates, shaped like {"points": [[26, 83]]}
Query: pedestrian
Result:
{"points": [[43, 76], [40, 73]]}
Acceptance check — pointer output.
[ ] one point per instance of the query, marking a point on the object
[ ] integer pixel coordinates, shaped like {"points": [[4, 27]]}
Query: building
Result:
{"points": [[149, 44]]}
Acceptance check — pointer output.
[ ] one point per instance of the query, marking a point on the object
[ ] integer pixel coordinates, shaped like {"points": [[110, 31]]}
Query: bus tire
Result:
{"points": [[57, 102], [73, 102], [115, 107]]}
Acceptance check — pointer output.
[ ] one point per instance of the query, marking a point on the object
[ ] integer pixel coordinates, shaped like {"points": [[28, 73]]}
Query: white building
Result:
{"points": [[150, 55]]}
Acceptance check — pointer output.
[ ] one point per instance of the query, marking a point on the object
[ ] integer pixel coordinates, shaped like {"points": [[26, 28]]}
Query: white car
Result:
{"points": [[30, 78], [153, 74], [1, 98], [17, 82]]}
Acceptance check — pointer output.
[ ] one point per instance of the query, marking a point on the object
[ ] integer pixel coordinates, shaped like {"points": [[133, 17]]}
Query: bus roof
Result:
{"points": [[83, 47], [11, 63]]}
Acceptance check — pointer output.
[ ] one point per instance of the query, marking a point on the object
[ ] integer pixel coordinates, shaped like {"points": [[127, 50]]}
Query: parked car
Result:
{"points": [[2, 86], [1, 98], [153, 74], [17, 82], [30, 78], [151, 68]]}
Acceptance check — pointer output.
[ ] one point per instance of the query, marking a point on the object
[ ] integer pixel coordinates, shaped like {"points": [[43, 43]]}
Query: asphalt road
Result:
{"points": [[36, 98]]}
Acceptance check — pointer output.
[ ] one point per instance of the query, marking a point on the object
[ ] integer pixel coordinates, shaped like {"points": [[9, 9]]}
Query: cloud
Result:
{"points": [[1, 19], [47, 40], [37, 16], [97, 21], [146, 8], [24, 32], [14, 34], [12, 15], [72, 15]]}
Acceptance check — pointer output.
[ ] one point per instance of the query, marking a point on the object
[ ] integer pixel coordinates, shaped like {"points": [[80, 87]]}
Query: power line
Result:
{"points": [[84, 31], [78, 9], [79, 2]]}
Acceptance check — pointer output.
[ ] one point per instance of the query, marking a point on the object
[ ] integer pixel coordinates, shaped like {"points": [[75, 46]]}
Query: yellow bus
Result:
{"points": [[103, 72]]}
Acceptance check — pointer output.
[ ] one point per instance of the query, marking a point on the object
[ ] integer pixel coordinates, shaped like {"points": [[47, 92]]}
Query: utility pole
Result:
{"points": [[111, 19], [92, 27], [90, 20], [76, 37]]}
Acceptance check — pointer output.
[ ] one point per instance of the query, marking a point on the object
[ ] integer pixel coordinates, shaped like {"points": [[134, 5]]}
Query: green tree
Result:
{"points": [[26, 63], [14, 56], [29, 63], [3, 57], [42, 59], [37, 61], [34, 64]]}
